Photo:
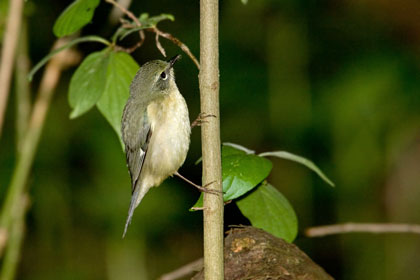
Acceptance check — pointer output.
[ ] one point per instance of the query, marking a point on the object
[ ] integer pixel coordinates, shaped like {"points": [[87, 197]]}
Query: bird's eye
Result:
{"points": [[163, 76]]}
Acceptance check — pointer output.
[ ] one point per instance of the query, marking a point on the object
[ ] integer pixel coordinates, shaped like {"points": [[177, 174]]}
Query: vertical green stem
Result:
{"points": [[210, 137]]}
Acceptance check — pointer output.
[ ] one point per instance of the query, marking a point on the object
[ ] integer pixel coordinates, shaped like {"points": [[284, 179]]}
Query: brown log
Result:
{"points": [[252, 253]]}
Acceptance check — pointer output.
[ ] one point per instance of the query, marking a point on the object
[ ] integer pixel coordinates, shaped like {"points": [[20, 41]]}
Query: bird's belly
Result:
{"points": [[170, 141]]}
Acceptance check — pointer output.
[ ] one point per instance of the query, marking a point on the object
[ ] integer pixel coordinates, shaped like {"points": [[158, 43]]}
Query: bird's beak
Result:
{"points": [[173, 60]]}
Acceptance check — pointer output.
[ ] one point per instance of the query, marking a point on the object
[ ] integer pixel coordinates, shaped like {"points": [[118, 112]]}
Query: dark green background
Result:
{"points": [[335, 81]]}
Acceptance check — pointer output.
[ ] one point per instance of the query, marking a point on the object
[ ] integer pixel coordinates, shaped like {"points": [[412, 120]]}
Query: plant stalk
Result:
{"points": [[17, 232], [210, 139], [22, 88], [11, 37]]}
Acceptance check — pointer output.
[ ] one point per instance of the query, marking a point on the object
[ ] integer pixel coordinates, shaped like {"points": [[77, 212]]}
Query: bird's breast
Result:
{"points": [[170, 134]]}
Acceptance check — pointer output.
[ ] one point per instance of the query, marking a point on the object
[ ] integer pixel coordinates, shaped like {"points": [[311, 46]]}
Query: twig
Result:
{"points": [[159, 46], [11, 36], [210, 139], [183, 271], [130, 49], [116, 13], [320, 231], [133, 17], [177, 42], [25, 158], [125, 11], [158, 33]]}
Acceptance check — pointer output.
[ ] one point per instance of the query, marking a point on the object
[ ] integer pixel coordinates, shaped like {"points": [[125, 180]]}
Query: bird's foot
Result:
{"points": [[201, 119], [208, 190], [201, 188]]}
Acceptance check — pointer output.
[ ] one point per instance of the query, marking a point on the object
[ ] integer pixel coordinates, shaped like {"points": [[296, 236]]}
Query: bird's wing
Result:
{"points": [[136, 149], [136, 137]]}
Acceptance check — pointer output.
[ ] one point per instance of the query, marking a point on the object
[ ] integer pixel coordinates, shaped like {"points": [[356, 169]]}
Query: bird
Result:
{"points": [[155, 129]]}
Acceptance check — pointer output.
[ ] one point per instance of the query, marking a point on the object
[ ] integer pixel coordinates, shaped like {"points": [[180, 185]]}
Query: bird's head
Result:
{"points": [[154, 79]]}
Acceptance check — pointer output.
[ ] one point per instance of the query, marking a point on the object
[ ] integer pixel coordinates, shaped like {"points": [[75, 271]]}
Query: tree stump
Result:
{"points": [[252, 253]]}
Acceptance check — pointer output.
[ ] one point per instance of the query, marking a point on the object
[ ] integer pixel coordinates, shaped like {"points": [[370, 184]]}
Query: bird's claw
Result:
{"points": [[200, 119], [207, 190]]}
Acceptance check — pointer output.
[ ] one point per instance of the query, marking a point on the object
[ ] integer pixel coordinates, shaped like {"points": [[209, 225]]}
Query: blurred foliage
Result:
{"points": [[337, 82]]}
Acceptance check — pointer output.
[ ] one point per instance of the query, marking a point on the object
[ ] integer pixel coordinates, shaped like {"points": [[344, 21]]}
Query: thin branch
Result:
{"points": [[159, 46], [183, 271], [320, 231], [177, 42], [130, 49], [136, 20], [125, 11], [11, 36], [116, 13], [158, 33], [132, 16]]}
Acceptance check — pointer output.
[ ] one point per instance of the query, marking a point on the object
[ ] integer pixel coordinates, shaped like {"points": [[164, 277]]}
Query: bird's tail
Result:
{"points": [[136, 197]]}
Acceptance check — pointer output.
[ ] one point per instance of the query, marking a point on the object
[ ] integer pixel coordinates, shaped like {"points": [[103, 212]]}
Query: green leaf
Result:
{"points": [[241, 172], [153, 21], [124, 32], [103, 79], [66, 46], [88, 83], [244, 2], [198, 204], [120, 72], [230, 149], [238, 147], [268, 209], [74, 17], [301, 160]]}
